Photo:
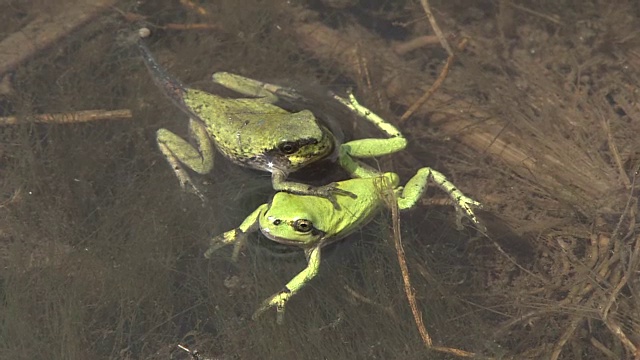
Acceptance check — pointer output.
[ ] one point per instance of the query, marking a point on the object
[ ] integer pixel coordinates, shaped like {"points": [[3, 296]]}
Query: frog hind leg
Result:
{"points": [[249, 87], [368, 148], [418, 183], [179, 152], [279, 300]]}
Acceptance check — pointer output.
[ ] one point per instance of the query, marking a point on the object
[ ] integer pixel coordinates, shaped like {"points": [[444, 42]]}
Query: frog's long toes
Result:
{"points": [[349, 194], [335, 204], [336, 191]]}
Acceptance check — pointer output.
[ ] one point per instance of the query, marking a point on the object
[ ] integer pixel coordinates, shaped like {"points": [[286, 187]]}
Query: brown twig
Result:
{"points": [[566, 335], [625, 279], [402, 48], [613, 149], [408, 289], [434, 87], [553, 18], [617, 331], [600, 346], [194, 26], [445, 70], [133, 17], [366, 300], [436, 29], [46, 30], [66, 118]]}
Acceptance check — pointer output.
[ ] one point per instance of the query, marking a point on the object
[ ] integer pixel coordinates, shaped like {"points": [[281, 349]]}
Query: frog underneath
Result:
{"points": [[311, 222]]}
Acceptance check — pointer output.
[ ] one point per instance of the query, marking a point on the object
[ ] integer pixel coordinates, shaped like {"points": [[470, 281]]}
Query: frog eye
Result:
{"points": [[303, 225], [288, 147]]}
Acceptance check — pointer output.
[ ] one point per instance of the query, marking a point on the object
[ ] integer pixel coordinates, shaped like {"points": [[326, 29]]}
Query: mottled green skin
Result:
{"points": [[250, 131]]}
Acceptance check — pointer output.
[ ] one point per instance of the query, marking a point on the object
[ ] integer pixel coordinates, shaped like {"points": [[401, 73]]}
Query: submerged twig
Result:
{"points": [[66, 118], [402, 48], [408, 289], [566, 335], [46, 30], [366, 300], [553, 18], [613, 149], [435, 27], [134, 18], [434, 87]]}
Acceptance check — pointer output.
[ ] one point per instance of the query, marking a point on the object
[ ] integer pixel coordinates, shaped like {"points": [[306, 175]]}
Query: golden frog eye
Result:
{"points": [[303, 225]]}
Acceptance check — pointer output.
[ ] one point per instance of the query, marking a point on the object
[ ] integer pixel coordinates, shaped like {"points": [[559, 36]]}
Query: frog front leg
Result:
{"points": [[180, 152], [367, 148], [237, 236], [279, 300], [417, 185]]}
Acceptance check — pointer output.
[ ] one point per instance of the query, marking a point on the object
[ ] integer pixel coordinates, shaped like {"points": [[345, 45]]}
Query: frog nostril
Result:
{"points": [[277, 222]]}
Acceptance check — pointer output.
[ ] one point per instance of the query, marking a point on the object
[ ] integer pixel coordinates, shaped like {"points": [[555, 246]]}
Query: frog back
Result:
{"points": [[329, 223], [252, 132]]}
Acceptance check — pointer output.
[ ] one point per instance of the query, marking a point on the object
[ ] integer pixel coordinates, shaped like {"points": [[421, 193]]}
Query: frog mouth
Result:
{"points": [[317, 235], [279, 239], [271, 163]]}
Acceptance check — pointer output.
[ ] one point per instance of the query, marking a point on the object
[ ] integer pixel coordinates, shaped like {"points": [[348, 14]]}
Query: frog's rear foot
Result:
{"points": [[331, 192]]}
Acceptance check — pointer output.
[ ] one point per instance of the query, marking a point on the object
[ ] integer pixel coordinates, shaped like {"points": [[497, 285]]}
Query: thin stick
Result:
{"points": [[617, 331], [613, 149], [366, 300], [402, 48], [408, 289], [434, 87], [133, 17], [66, 118], [553, 18], [194, 26], [557, 348], [46, 30], [435, 27], [600, 346]]}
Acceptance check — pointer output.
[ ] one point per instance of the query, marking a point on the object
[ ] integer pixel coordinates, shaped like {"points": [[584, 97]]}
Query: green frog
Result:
{"points": [[255, 133], [251, 132], [311, 222]]}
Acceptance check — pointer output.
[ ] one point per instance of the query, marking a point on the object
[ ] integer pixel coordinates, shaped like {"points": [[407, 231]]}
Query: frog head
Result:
{"points": [[297, 220], [307, 220], [297, 142]]}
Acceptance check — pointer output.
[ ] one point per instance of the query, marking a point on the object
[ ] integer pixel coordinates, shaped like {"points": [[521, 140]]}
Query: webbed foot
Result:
{"points": [[464, 207], [278, 301], [222, 240]]}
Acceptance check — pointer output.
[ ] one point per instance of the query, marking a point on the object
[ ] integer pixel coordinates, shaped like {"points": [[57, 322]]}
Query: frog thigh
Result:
{"points": [[246, 86]]}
